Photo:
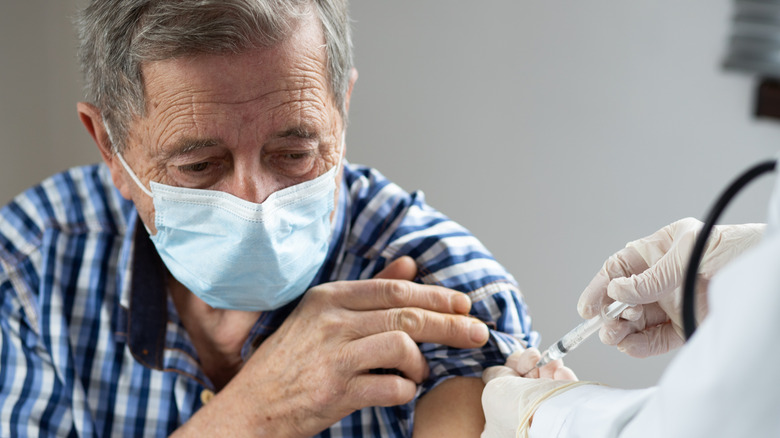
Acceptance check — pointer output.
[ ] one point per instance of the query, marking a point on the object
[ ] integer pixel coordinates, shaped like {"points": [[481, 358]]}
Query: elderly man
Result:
{"points": [[226, 272]]}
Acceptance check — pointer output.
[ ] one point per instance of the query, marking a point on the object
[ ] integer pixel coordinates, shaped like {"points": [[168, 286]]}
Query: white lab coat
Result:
{"points": [[725, 382]]}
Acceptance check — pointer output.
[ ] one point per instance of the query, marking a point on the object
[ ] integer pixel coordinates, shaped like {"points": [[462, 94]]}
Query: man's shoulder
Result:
{"points": [[80, 200], [379, 211], [359, 175], [369, 189]]}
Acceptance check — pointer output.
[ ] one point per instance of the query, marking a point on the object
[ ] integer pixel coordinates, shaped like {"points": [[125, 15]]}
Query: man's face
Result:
{"points": [[248, 124]]}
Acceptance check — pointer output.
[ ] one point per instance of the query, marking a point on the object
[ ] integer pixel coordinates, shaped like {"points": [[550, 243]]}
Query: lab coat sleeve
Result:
{"points": [[588, 411], [723, 382]]}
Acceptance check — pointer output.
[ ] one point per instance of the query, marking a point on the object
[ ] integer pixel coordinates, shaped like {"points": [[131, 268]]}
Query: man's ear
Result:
{"points": [[353, 75], [92, 119]]}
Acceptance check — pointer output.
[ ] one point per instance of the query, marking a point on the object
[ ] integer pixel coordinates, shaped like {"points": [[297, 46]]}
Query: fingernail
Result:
{"points": [[478, 331]]}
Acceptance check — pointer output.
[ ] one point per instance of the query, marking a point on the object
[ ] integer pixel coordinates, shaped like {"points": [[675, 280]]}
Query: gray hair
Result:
{"points": [[117, 36]]}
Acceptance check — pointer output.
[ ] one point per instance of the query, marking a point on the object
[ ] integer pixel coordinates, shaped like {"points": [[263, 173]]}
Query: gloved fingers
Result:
{"points": [[532, 374], [523, 361], [633, 313], [591, 299], [615, 331], [666, 252], [653, 247], [549, 370], [652, 284], [524, 364], [612, 332], [564, 373], [651, 342], [656, 315], [496, 372], [623, 263]]}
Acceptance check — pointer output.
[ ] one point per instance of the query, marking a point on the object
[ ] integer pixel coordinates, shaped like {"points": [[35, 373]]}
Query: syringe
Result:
{"points": [[574, 338]]}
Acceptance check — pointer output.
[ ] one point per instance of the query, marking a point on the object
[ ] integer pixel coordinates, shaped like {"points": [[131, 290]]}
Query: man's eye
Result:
{"points": [[298, 156], [194, 168]]}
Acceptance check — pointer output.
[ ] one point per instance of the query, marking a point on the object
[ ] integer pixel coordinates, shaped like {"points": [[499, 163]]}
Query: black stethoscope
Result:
{"points": [[689, 296]]}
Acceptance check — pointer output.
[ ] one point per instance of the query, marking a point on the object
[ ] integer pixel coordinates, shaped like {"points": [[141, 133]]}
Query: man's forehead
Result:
{"points": [[303, 51], [234, 78]]}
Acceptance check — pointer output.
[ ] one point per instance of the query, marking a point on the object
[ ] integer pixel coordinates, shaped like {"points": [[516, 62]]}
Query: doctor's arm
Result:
{"points": [[722, 383], [710, 375]]}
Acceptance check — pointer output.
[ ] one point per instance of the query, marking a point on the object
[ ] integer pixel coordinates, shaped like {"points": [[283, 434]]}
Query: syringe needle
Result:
{"points": [[577, 336]]}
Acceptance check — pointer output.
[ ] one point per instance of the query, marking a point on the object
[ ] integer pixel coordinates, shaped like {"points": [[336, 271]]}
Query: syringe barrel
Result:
{"points": [[576, 336]]}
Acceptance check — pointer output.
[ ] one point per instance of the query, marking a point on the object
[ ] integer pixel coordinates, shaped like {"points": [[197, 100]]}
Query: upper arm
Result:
{"points": [[451, 409]]}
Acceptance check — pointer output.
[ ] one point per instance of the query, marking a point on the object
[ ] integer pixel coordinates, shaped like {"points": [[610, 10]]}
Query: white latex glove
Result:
{"points": [[523, 363], [510, 400], [649, 273]]}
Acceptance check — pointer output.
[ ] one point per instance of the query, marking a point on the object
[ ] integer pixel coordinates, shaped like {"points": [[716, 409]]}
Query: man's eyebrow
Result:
{"points": [[186, 145], [299, 132]]}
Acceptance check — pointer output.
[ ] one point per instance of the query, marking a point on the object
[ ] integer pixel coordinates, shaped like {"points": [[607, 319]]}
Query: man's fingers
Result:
{"points": [[388, 350], [402, 268], [388, 294], [422, 325], [380, 390]]}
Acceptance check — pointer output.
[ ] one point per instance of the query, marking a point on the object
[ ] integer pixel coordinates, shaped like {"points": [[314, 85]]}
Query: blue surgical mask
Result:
{"points": [[235, 254]]}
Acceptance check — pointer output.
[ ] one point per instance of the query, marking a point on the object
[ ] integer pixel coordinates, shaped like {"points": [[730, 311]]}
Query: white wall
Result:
{"points": [[556, 133], [39, 87]]}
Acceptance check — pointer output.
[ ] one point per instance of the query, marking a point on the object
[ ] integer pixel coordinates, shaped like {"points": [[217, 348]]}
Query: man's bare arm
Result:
{"points": [[452, 409]]}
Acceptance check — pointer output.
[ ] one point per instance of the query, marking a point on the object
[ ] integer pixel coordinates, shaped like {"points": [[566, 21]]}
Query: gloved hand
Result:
{"points": [[509, 400], [649, 273], [523, 363]]}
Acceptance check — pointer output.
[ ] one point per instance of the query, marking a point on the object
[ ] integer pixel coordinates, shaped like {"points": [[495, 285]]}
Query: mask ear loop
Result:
{"points": [[133, 175], [124, 163], [341, 152]]}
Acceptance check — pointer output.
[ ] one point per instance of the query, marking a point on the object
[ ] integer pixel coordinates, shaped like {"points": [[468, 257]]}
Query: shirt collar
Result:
{"points": [[145, 298]]}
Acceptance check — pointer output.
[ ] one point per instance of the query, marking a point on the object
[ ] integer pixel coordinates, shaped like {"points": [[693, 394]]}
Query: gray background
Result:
{"points": [[555, 132]]}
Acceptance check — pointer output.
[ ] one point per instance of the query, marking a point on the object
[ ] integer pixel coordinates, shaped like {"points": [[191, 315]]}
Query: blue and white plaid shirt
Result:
{"points": [[92, 346]]}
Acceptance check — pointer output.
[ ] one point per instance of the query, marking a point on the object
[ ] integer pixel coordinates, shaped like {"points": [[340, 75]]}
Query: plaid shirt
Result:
{"points": [[92, 345]]}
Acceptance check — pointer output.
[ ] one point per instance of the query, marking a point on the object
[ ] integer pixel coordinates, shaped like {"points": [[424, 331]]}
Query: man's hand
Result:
{"points": [[315, 369], [649, 273]]}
